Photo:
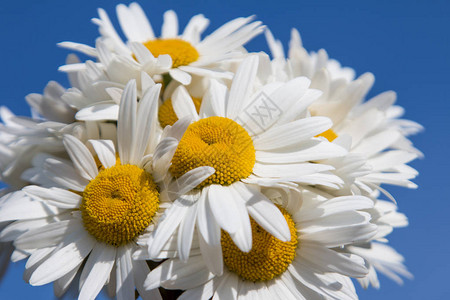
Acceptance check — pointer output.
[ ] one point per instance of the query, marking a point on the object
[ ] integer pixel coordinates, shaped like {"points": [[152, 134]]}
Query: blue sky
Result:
{"points": [[406, 44]]}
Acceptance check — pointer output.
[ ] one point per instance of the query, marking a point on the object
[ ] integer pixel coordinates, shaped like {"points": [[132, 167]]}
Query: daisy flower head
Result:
{"points": [[22, 139], [246, 154], [369, 129], [185, 53], [308, 265], [100, 203]]}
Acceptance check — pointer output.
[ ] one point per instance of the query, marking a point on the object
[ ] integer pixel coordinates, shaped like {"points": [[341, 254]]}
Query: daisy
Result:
{"points": [[24, 139], [374, 136], [246, 156], [371, 129], [309, 265], [89, 220], [53, 115], [189, 53]]}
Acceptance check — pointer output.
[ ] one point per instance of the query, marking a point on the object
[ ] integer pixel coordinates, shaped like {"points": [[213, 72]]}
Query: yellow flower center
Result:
{"points": [[119, 204], [329, 134], [182, 52], [217, 142], [167, 115], [269, 256]]}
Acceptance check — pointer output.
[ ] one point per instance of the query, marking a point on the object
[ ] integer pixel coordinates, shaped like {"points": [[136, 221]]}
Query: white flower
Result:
{"points": [[91, 217], [370, 129], [53, 115], [309, 265], [187, 52], [246, 156]]}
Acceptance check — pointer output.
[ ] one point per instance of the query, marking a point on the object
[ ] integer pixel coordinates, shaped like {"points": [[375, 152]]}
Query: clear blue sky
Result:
{"points": [[406, 44]]}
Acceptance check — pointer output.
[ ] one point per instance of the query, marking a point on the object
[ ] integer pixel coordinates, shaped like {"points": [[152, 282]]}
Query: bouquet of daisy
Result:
{"points": [[181, 165]]}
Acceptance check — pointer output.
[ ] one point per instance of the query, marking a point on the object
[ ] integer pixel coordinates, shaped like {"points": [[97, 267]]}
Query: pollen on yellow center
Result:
{"points": [[329, 134], [166, 114], [119, 204], [268, 258], [217, 142], [181, 52]]}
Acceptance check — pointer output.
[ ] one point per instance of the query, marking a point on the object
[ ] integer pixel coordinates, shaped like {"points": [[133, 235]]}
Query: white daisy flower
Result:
{"points": [[370, 129], [112, 70], [308, 265], [246, 156], [53, 115], [189, 53], [21, 138], [98, 207]]}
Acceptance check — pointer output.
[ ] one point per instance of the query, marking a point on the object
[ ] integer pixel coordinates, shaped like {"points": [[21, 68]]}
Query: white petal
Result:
{"points": [[265, 213], [61, 285], [81, 157], [167, 225], [310, 150], [185, 233], [105, 151], [146, 121], [243, 236], [212, 255], [88, 50], [190, 180], [180, 76], [64, 175], [22, 207], [140, 272], [64, 260], [54, 196], [130, 25], [162, 157], [202, 292], [98, 112], [183, 105], [203, 72], [227, 289], [327, 260], [96, 270], [339, 236], [12, 231], [224, 209], [291, 171], [291, 133], [377, 143], [172, 269], [46, 236], [170, 25], [142, 21], [196, 25], [214, 100], [242, 85], [189, 275], [126, 123], [124, 274], [206, 223]]}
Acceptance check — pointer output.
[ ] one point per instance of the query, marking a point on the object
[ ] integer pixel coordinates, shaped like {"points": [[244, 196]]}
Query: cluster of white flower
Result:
{"points": [[182, 162]]}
